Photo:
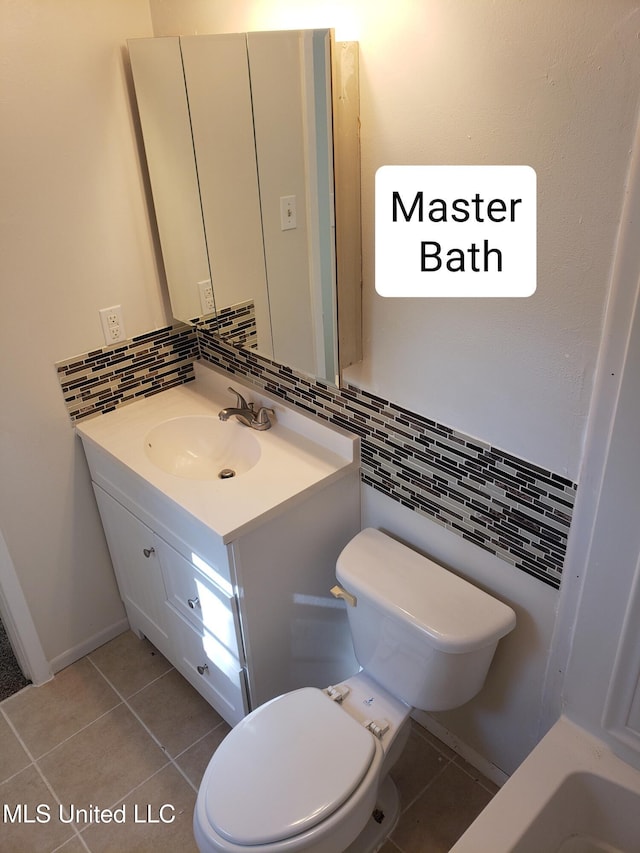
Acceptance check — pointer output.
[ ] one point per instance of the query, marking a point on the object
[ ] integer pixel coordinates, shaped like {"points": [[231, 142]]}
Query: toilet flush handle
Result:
{"points": [[339, 592]]}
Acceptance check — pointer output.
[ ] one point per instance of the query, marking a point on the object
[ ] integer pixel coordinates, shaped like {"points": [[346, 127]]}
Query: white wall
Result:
{"points": [[550, 85], [75, 238], [601, 688]]}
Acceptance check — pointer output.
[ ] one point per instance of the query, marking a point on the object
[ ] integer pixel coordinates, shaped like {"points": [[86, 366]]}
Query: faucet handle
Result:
{"points": [[241, 403], [262, 417]]}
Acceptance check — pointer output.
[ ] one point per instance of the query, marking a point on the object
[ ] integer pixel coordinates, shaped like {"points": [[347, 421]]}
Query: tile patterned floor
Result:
{"points": [[121, 729]]}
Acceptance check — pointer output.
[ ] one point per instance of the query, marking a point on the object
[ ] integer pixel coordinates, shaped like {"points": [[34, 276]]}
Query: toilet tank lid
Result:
{"points": [[455, 615]]}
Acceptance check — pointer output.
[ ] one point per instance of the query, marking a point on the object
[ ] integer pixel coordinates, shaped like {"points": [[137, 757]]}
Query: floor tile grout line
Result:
{"points": [[144, 725], [18, 738], [80, 839], [455, 758], [41, 773], [199, 740], [474, 776], [77, 732], [485, 788], [120, 800], [426, 787], [22, 744], [449, 761], [136, 692], [435, 743], [17, 773]]}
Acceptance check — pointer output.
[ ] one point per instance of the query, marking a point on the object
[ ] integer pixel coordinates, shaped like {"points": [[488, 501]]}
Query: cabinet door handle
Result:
{"points": [[193, 603], [203, 669], [148, 552]]}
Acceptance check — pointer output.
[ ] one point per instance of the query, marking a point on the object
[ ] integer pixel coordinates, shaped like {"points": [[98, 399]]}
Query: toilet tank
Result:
{"points": [[423, 633]]}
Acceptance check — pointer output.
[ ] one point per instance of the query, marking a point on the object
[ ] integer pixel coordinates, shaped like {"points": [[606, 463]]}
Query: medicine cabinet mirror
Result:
{"points": [[252, 149]]}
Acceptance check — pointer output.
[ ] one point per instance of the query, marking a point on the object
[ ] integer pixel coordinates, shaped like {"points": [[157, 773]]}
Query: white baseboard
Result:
{"points": [[89, 645], [497, 776]]}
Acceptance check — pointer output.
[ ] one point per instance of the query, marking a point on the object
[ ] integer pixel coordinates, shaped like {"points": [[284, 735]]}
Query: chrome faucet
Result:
{"points": [[246, 413]]}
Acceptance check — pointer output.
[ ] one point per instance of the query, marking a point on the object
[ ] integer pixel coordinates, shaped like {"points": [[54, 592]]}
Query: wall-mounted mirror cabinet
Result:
{"points": [[252, 148]]}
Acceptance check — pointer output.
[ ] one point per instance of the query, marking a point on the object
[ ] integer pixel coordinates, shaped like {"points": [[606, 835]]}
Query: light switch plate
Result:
{"points": [[288, 213]]}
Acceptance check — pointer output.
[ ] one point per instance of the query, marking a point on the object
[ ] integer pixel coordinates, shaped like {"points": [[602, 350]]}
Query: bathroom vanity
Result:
{"points": [[228, 576]]}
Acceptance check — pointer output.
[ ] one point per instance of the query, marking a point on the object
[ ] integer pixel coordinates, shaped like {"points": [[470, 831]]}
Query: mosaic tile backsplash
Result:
{"points": [[511, 508], [103, 379], [237, 324]]}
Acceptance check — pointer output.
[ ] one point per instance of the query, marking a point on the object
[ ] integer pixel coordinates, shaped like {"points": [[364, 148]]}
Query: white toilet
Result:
{"points": [[309, 769]]}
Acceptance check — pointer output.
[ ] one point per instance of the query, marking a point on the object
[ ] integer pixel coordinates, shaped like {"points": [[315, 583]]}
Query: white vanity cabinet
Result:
{"points": [[247, 621], [243, 613], [182, 601]]}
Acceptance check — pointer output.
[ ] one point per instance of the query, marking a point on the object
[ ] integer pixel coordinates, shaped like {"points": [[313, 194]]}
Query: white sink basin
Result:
{"points": [[201, 447], [175, 442]]}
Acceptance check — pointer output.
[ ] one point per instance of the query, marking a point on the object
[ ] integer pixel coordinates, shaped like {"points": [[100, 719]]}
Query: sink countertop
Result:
{"points": [[298, 453]]}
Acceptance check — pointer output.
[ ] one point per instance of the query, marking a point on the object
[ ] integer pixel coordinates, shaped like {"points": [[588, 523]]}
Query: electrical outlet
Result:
{"points": [[207, 305], [112, 324], [287, 213]]}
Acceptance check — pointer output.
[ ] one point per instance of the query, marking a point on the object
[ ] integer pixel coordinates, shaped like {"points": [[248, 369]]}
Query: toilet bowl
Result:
{"points": [[309, 770], [303, 735]]}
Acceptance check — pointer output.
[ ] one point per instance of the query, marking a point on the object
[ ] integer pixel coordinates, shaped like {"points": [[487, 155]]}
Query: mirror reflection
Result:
{"points": [[239, 133]]}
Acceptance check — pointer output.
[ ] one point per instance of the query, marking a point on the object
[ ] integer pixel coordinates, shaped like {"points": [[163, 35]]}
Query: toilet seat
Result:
{"points": [[282, 776]]}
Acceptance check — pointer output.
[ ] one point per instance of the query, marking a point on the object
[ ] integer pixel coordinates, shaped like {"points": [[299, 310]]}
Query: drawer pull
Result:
{"points": [[193, 603], [203, 669], [148, 552]]}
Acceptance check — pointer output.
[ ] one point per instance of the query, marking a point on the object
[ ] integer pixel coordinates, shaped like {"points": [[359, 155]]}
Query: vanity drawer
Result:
{"points": [[211, 668], [200, 601]]}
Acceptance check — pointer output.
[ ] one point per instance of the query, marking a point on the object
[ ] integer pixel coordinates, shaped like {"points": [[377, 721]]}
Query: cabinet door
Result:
{"points": [[134, 552]]}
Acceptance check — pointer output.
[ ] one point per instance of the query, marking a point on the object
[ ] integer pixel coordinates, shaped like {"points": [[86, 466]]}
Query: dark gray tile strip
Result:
{"points": [[516, 510]]}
